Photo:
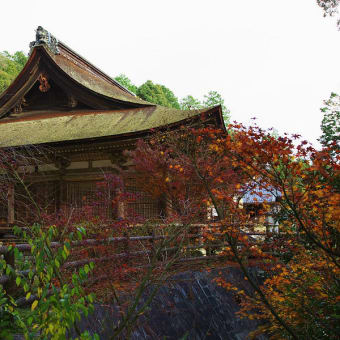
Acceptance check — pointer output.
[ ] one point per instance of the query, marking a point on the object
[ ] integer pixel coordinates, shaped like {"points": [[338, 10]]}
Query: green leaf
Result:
{"points": [[16, 252], [86, 268], [17, 230], [66, 249], [90, 298], [28, 295], [30, 320], [81, 273], [18, 280], [34, 305]]}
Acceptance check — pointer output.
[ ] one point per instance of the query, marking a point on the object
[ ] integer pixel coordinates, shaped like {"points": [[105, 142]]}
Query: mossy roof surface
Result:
{"points": [[87, 124], [89, 76]]}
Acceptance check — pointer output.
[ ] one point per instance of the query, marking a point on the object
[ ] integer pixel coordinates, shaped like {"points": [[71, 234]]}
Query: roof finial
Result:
{"points": [[43, 37]]}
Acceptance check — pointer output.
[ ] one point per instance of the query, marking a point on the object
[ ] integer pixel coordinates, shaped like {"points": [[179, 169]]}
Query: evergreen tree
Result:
{"points": [[10, 66], [330, 125], [190, 103], [157, 94], [161, 95], [213, 98], [123, 80]]}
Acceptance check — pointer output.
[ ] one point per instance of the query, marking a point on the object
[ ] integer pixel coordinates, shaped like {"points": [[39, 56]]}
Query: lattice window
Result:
{"points": [[45, 193], [88, 194], [42, 194], [141, 204]]}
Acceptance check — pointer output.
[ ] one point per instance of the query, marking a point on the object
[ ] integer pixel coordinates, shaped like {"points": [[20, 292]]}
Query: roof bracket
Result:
{"points": [[18, 108]]}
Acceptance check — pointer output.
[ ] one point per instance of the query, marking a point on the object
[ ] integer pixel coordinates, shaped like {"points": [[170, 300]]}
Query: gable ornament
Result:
{"points": [[44, 84], [43, 37]]}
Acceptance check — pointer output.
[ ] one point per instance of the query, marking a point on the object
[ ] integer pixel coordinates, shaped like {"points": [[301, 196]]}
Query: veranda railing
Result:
{"points": [[205, 249]]}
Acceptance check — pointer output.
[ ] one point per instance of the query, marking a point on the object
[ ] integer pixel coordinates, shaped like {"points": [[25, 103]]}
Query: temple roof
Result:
{"points": [[60, 96], [85, 125]]}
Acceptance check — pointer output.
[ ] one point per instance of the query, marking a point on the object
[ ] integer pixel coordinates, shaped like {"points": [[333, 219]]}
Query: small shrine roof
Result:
{"points": [[261, 195]]}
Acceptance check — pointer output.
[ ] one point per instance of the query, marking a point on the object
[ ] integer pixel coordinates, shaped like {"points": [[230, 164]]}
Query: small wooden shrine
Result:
{"points": [[62, 103]]}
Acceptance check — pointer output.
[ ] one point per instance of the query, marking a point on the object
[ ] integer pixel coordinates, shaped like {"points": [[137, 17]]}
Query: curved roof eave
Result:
{"points": [[20, 85]]}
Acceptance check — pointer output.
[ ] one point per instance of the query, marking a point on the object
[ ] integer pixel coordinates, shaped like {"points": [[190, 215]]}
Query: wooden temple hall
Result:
{"points": [[84, 120]]}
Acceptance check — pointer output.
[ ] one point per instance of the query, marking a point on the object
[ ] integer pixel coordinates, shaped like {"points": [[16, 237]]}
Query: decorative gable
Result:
{"points": [[57, 78]]}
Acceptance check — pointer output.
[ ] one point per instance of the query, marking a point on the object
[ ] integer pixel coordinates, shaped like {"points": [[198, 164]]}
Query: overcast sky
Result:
{"points": [[276, 60]]}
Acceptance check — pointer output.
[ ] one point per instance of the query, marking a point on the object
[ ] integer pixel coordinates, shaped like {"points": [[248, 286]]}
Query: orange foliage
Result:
{"points": [[193, 168]]}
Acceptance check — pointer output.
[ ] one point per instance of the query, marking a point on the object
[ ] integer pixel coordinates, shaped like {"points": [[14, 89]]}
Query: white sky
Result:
{"points": [[272, 59]]}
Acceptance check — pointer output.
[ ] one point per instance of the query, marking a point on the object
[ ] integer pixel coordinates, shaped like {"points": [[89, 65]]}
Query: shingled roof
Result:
{"points": [[60, 96]]}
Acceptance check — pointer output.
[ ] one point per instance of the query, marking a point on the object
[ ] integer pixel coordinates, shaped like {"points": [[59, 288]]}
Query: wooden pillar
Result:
{"points": [[120, 208], [61, 193], [57, 196], [10, 197]]}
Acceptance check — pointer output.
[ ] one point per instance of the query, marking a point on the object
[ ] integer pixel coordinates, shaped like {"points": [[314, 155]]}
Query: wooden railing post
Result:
{"points": [[127, 246], [153, 247]]}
